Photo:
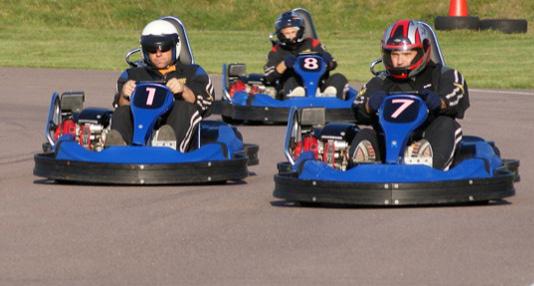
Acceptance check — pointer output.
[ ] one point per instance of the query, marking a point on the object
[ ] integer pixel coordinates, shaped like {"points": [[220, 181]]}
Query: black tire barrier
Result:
{"points": [[505, 25], [456, 22]]}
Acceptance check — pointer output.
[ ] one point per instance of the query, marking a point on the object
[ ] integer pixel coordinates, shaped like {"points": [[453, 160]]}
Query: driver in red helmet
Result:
{"points": [[406, 53], [291, 42]]}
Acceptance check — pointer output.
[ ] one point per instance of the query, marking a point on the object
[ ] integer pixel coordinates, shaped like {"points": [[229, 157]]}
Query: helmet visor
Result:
{"points": [[152, 44]]}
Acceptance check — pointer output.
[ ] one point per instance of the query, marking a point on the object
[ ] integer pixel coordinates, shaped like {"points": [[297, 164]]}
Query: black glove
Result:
{"points": [[376, 98], [432, 99], [290, 60], [327, 57]]}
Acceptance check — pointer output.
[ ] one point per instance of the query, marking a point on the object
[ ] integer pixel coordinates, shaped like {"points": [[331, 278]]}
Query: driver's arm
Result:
{"points": [[125, 87], [198, 90], [275, 67], [361, 107], [125, 92], [454, 93], [281, 67], [178, 87], [317, 47]]}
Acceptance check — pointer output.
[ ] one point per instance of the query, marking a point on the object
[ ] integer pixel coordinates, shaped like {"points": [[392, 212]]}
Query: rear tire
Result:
{"points": [[505, 25], [456, 22]]}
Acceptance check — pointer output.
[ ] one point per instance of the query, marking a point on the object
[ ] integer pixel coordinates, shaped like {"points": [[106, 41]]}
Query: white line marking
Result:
{"points": [[531, 93]]}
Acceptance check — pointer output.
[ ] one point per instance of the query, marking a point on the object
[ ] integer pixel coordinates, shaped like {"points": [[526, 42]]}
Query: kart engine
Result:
{"points": [[240, 81], [251, 87], [88, 127], [330, 144]]}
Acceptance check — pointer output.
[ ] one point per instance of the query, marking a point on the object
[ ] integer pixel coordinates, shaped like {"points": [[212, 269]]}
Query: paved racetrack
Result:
{"points": [[238, 234]]}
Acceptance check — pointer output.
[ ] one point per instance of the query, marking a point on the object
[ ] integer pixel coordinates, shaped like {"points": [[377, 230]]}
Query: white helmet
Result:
{"points": [[160, 35]]}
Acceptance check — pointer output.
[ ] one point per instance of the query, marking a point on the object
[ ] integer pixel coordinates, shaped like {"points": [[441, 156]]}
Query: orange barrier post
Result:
{"points": [[458, 8]]}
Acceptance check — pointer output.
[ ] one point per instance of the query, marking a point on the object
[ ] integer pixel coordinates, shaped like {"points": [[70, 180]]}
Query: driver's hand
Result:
{"points": [[175, 85], [432, 99], [128, 88], [375, 99], [327, 57], [290, 60]]}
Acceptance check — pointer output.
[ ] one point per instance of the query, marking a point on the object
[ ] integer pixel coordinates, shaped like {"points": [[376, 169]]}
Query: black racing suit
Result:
{"points": [[287, 81], [441, 129], [184, 117]]}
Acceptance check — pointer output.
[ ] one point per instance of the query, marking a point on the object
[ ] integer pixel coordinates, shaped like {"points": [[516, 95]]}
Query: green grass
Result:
{"points": [[96, 34]]}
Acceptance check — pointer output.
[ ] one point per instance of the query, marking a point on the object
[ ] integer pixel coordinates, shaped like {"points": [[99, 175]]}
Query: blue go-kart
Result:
{"points": [[247, 98], [319, 169], [75, 151]]}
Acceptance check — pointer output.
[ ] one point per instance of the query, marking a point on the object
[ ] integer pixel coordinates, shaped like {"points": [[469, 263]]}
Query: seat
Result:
{"points": [[309, 27], [186, 55], [436, 54]]}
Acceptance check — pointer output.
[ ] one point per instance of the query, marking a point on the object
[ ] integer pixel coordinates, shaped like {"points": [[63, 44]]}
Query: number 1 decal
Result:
{"points": [[404, 104], [151, 92]]}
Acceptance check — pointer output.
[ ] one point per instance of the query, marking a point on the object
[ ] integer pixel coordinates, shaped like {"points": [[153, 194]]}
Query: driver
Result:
{"points": [[406, 54], [191, 86], [291, 42]]}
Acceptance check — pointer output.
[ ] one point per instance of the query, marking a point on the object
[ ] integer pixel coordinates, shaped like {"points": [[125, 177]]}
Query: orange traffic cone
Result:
{"points": [[458, 8]]}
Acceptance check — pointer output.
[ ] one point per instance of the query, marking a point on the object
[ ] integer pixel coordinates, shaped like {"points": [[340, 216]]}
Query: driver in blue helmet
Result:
{"points": [[291, 42], [192, 88], [406, 53]]}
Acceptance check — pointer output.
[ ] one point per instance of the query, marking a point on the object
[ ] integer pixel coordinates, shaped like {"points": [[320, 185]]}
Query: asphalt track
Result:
{"points": [[238, 234]]}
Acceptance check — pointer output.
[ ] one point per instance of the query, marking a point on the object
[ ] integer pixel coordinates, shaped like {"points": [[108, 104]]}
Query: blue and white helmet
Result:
{"points": [[160, 35], [286, 20]]}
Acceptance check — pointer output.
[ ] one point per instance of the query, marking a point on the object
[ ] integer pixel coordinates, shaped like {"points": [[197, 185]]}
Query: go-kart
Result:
{"points": [[319, 168], [75, 149], [247, 98]]}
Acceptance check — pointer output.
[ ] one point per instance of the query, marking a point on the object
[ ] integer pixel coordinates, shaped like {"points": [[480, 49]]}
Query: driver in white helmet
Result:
{"points": [[192, 88], [406, 52]]}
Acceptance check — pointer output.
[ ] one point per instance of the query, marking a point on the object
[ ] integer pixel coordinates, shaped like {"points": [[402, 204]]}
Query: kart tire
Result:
{"points": [[456, 22], [308, 204], [505, 25], [251, 150]]}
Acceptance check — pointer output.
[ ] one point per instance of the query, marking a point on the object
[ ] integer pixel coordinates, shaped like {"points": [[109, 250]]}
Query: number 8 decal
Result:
{"points": [[311, 63]]}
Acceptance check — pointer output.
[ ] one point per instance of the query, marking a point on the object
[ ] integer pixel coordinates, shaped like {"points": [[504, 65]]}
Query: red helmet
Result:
{"points": [[406, 35]]}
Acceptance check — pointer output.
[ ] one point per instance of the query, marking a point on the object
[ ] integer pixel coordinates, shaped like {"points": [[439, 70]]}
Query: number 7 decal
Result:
{"points": [[404, 104], [150, 99]]}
